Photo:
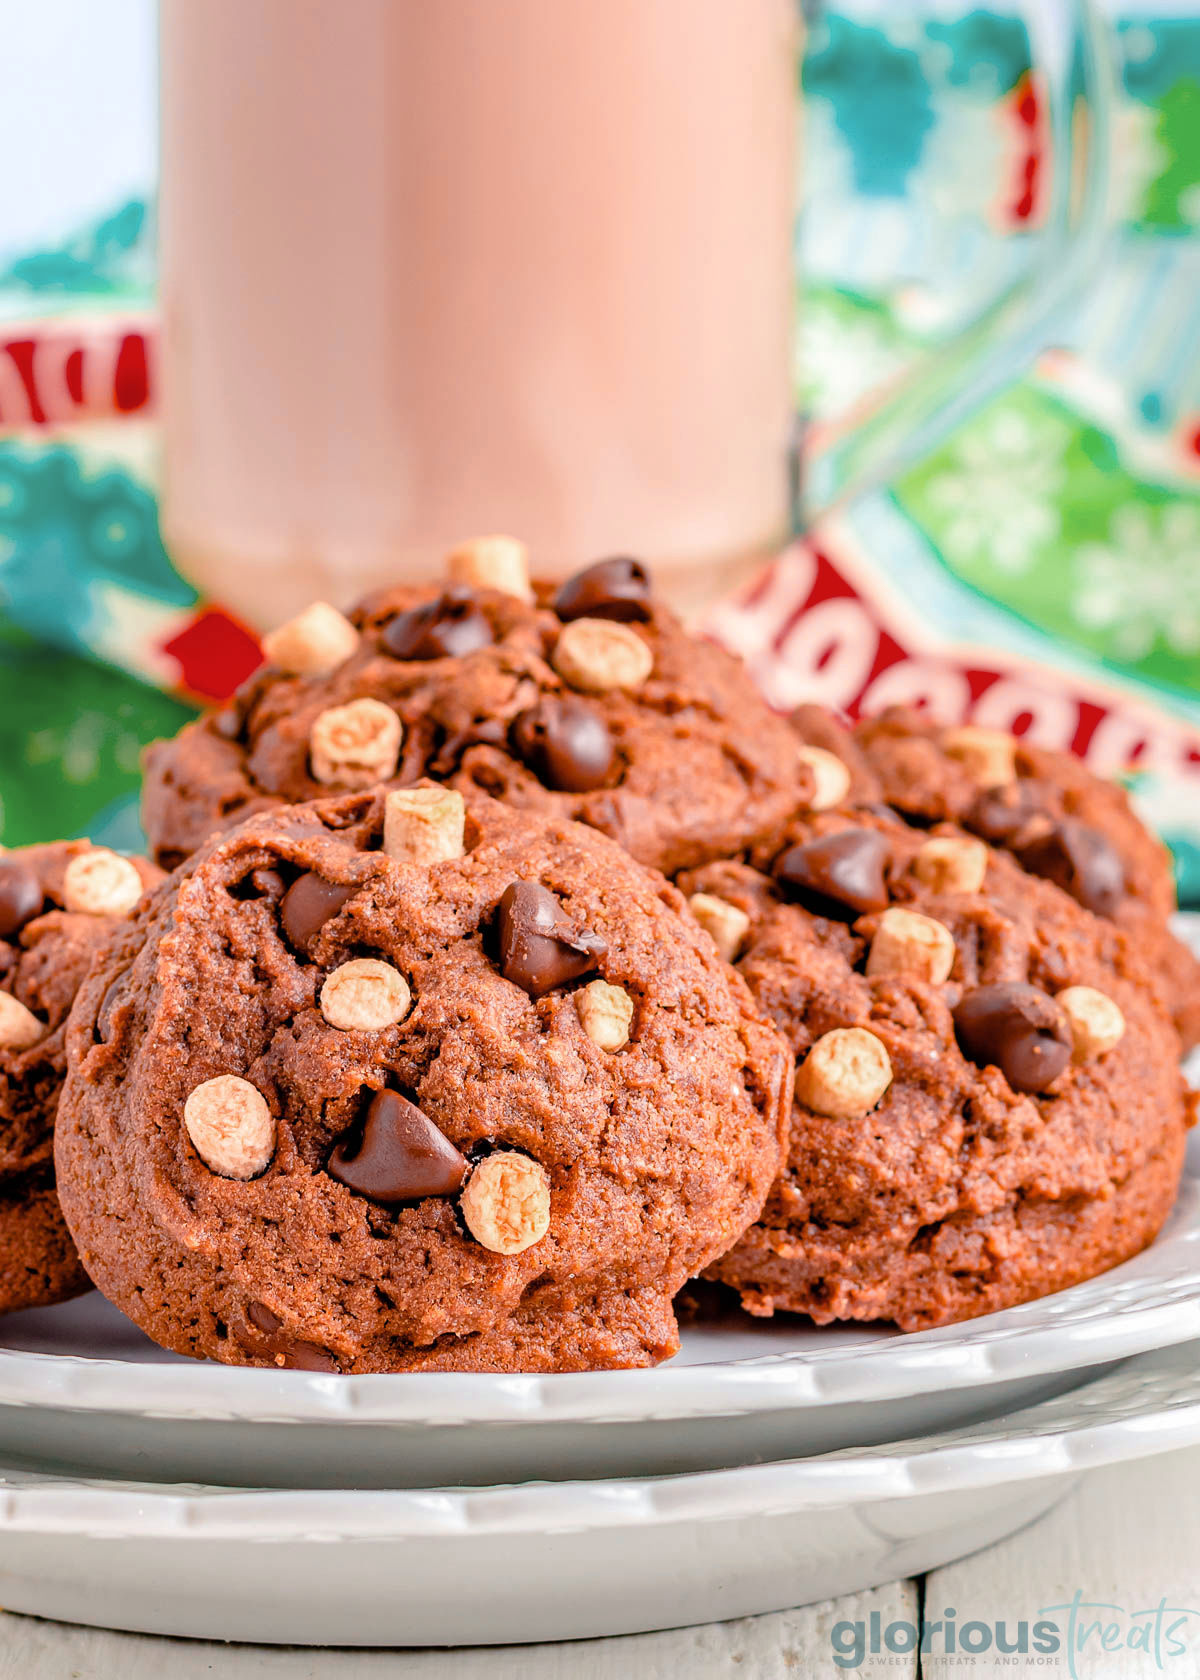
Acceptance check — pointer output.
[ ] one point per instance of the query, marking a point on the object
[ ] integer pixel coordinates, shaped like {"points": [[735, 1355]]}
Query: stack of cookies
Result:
{"points": [[517, 965]]}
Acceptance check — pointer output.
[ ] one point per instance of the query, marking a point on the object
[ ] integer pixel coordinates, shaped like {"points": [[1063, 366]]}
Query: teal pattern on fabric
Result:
{"points": [[882, 100], [77, 543], [1064, 518]]}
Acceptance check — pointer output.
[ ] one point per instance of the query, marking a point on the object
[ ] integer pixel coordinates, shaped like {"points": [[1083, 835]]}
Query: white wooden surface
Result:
{"points": [[789, 1646], [1126, 1538]]}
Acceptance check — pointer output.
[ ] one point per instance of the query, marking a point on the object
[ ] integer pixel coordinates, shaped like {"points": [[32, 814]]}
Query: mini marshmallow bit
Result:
{"points": [[950, 864], [100, 883], [830, 775], [844, 1074], [725, 924], [492, 563], [1096, 1022], [424, 825], [506, 1204], [909, 944], [231, 1127], [606, 1014], [19, 1027], [365, 995], [356, 745], [988, 755], [313, 643], [598, 654]]}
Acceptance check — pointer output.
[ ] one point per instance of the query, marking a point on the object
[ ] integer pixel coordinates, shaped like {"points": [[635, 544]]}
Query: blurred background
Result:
{"points": [[1038, 567]]}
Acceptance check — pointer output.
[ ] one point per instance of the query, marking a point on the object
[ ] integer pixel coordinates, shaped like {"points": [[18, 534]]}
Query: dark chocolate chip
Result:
{"points": [[446, 628], [999, 814], [1016, 1028], [294, 1354], [307, 1356], [840, 875], [539, 949], [618, 588], [1080, 860], [401, 1155], [307, 905], [565, 743], [20, 897]]}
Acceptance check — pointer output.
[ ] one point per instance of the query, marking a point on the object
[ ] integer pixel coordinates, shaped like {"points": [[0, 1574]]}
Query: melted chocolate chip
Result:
{"points": [[296, 1355], [565, 743], [307, 1356], [20, 897], [840, 875], [401, 1155], [539, 949], [1080, 860], [446, 628], [307, 905], [999, 814], [1016, 1028], [618, 588]]}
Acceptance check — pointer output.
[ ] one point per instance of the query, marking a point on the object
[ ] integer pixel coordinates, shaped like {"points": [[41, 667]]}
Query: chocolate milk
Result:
{"points": [[432, 268]]}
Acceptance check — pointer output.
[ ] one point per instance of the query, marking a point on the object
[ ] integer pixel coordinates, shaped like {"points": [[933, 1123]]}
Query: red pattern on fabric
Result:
{"points": [[131, 382], [215, 654]]}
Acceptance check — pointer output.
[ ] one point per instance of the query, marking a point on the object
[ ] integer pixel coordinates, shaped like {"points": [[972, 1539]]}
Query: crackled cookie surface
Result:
{"points": [[589, 701], [412, 1081], [58, 903], [1059, 819], [988, 1105]]}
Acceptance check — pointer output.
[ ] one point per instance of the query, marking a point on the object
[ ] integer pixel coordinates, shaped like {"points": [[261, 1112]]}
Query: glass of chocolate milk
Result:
{"points": [[436, 268]]}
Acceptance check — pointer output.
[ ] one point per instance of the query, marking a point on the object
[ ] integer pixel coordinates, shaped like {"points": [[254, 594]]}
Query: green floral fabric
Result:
{"points": [[1068, 508]]}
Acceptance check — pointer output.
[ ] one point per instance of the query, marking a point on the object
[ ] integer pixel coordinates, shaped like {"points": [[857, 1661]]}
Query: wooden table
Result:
{"points": [[1126, 1537]]}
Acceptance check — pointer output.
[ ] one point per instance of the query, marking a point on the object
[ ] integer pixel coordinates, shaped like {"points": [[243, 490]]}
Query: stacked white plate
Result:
{"points": [[556, 1560], [146, 1492], [769, 1465]]}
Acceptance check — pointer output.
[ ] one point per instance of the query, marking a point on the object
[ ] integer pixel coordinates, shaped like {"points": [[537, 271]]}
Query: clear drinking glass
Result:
{"points": [[895, 426], [430, 271]]}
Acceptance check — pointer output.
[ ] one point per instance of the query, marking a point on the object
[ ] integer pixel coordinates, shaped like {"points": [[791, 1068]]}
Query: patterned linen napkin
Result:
{"points": [[1041, 569]]}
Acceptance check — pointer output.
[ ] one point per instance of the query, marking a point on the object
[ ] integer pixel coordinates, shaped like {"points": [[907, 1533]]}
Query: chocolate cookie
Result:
{"points": [[413, 1081], [1049, 810], [58, 904], [591, 702], [988, 1104], [821, 730]]}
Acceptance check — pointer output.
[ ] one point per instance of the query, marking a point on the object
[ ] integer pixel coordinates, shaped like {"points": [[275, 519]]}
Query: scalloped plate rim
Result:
{"points": [[997, 1348], [1059, 1437]]}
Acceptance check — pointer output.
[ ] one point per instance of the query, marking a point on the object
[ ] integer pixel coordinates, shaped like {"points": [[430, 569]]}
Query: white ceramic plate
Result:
{"points": [[568, 1559], [81, 1389]]}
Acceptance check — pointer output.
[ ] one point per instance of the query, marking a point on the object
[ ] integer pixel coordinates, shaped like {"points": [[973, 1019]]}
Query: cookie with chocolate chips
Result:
{"points": [[415, 1080], [1059, 819], [58, 904], [588, 701], [988, 1105]]}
